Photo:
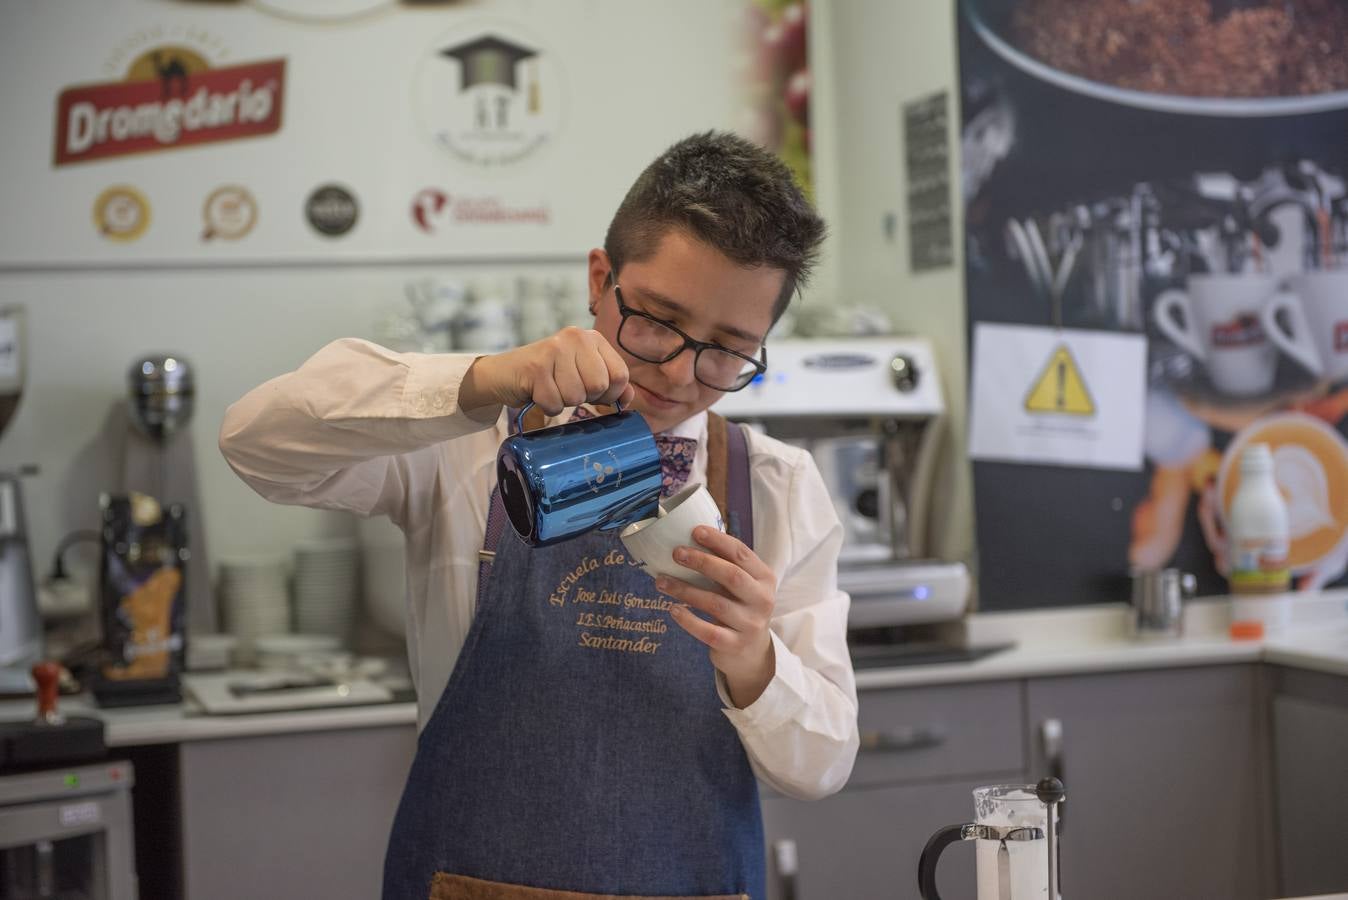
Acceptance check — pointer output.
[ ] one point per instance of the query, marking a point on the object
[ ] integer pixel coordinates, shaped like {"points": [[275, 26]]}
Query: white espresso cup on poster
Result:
{"points": [[1223, 329], [650, 543], [1316, 320]]}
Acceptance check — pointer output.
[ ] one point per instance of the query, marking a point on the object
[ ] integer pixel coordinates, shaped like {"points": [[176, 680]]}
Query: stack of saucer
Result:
{"points": [[293, 652], [327, 586], [255, 599]]}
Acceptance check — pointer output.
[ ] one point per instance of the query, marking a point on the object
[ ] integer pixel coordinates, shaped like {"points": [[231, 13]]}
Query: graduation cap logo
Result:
{"points": [[489, 60], [479, 94]]}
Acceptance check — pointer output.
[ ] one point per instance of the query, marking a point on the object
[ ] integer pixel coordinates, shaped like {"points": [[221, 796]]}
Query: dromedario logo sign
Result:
{"points": [[170, 97]]}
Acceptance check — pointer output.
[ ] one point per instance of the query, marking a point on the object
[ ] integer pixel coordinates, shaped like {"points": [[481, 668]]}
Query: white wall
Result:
{"points": [[362, 103], [884, 54], [238, 328], [637, 75]]}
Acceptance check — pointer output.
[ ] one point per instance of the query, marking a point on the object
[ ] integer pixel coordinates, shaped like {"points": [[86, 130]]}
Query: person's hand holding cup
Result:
{"points": [[651, 542]]}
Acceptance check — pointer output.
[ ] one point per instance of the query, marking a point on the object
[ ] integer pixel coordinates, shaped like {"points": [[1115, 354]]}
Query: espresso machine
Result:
{"points": [[20, 626], [872, 413]]}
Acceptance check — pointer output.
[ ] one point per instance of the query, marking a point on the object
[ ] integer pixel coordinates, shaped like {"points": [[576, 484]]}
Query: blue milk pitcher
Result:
{"points": [[563, 481]]}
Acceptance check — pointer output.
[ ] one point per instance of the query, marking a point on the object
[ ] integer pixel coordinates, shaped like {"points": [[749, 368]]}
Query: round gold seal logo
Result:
{"points": [[230, 213], [121, 213]]}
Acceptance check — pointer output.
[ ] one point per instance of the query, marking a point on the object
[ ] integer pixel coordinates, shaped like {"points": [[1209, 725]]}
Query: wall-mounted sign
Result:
{"points": [[332, 210], [1061, 397], [926, 156], [429, 207], [1119, 184], [170, 97], [323, 12], [230, 212], [1060, 388], [477, 102], [489, 97], [121, 213], [433, 208]]}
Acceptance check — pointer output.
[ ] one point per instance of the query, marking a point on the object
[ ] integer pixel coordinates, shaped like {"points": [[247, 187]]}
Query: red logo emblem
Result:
{"points": [[432, 208], [428, 206], [1242, 331], [171, 98]]}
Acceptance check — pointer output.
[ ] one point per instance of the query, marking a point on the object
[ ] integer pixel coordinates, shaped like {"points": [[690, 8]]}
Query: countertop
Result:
{"points": [[172, 723], [1048, 642], [1079, 640]]}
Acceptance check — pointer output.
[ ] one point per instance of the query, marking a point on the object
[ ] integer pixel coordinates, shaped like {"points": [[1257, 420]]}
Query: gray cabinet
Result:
{"points": [[1170, 787], [1166, 782], [923, 751], [864, 844], [295, 815], [1310, 725]]}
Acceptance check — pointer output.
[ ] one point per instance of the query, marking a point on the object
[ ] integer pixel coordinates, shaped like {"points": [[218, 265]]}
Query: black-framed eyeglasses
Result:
{"points": [[655, 340]]}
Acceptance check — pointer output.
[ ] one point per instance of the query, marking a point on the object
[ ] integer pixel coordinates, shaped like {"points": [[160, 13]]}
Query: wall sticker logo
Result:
{"points": [[489, 97], [169, 97], [121, 213], [230, 212]]}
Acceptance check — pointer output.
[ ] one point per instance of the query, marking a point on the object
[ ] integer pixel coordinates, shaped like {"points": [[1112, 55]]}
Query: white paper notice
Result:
{"points": [[9, 349], [1062, 397]]}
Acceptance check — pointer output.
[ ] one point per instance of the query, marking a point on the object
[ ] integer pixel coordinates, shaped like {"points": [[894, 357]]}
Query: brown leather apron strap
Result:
{"points": [[534, 419], [716, 462], [460, 887]]}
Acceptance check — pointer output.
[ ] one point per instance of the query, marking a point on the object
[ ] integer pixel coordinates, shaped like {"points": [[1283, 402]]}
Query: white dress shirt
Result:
{"points": [[374, 432]]}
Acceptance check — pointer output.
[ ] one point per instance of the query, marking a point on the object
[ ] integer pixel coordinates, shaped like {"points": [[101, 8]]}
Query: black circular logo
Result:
{"points": [[332, 210]]}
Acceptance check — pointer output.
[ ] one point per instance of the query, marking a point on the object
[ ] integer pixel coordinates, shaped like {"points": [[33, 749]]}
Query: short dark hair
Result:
{"points": [[729, 193]]}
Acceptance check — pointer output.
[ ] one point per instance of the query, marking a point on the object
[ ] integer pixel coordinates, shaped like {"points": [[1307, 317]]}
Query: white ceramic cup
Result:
{"points": [[1223, 329], [1316, 335], [650, 543]]}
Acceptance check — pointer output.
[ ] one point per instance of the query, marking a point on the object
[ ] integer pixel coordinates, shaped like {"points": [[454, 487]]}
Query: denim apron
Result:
{"points": [[579, 749]]}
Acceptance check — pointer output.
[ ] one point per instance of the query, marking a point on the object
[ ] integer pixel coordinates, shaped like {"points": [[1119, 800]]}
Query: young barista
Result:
{"points": [[603, 748]]}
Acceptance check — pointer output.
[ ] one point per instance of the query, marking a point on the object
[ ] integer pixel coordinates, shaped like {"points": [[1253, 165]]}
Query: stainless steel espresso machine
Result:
{"points": [[872, 413]]}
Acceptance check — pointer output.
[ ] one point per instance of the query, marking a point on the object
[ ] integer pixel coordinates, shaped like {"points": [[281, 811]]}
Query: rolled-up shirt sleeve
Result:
{"points": [[345, 430], [801, 733]]}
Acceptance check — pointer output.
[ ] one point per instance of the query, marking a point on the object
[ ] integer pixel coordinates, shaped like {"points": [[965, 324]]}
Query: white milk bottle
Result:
{"points": [[1258, 538]]}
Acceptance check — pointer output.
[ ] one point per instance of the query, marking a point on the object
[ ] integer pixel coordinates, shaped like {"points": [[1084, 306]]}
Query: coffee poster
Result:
{"points": [[1173, 171]]}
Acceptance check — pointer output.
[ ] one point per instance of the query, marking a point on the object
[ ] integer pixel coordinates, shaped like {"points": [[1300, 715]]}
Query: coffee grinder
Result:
{"points": [[160, 460]]}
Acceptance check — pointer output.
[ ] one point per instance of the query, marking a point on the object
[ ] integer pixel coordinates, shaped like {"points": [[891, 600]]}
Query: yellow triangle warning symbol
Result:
{"points": [[1060, 388]]}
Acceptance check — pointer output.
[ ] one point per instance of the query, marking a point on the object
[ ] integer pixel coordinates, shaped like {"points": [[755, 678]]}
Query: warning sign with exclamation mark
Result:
{"points": [[1061, 389], [1060, 396]]}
